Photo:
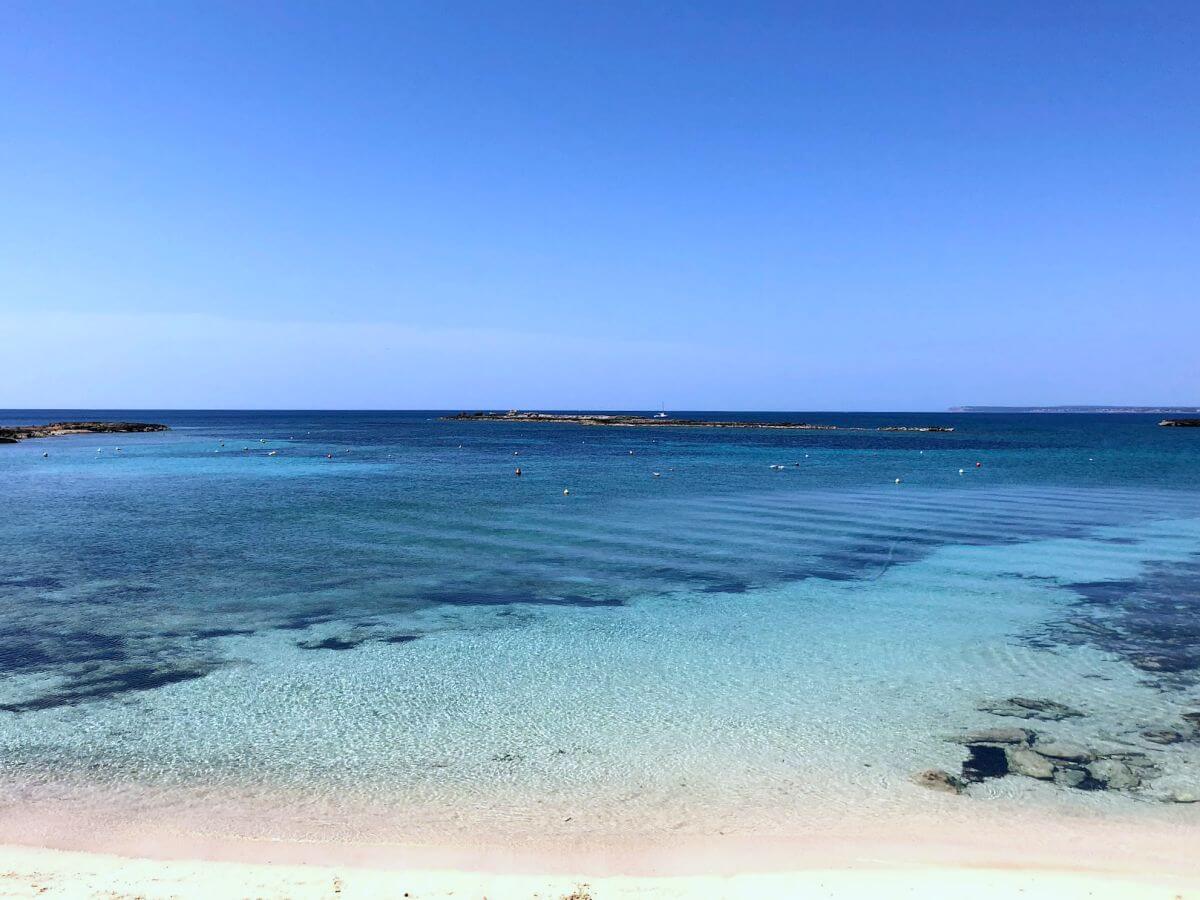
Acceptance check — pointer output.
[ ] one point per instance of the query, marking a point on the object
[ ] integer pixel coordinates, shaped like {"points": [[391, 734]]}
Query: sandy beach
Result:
{"points": [[1002, 854], [31, 872]]}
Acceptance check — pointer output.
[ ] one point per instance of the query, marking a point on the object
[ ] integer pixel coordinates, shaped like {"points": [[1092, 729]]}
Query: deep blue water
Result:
{"points": [[192, 577]]}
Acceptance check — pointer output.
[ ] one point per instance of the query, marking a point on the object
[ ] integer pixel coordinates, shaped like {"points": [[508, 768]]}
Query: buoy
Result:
{"points": [[262, 440], [658, 475], [962, 471], [44, 455], [897, 481], [329, 456], [518, 472], [516, 453], [978, 465], [631, 453], [273, 453], [565, 492]]}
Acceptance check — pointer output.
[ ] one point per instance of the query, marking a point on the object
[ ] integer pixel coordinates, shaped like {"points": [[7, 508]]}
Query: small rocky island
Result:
{"points": [[13, 434], [1180, 423], [631, 421]]}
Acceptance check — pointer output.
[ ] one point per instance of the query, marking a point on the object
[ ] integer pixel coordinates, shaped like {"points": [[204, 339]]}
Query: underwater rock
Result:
{"points": [[106, 683], [1113, 774], [1026, 708], [1001, 734], [985, 761], [1023, 761], [1073, 777], [1140, 763], [1064, 750], [1164, 736], [330, 643], [939, 780]]}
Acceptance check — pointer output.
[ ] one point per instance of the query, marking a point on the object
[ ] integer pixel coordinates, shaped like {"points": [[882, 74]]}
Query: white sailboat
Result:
{"points": [[662, 413]]}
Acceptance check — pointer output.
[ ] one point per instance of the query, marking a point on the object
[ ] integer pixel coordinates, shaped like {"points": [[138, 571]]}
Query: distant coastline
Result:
{"points": [[1158, 410], [614, 420]]}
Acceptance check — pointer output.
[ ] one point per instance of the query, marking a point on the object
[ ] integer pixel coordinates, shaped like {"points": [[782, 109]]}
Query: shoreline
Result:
{"points": [[1008, 835], [904, 866]]}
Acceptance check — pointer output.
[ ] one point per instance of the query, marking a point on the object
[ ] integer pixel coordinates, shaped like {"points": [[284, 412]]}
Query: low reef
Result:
{"points": [[13, 434], [1180, 423], [633, 421]]}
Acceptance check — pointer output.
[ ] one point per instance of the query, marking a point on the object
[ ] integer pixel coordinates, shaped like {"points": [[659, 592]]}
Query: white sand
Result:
{"points": [[36, 872]]}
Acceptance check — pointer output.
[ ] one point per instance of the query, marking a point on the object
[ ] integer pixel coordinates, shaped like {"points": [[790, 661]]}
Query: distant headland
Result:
{"points": [[1157, 410], [12, 435], [660, 421]]}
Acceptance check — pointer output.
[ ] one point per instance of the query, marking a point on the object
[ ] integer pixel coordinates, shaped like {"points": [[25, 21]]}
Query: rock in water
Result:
{"points": [[1065, 750], [984, 762], [1023, 761], [1113, 774], [939, 780], [1026, 708], [1072, 777], [1001, 734], [1163, 736]]}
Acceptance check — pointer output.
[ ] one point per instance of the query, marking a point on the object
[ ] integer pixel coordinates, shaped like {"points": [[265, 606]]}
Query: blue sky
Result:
{"points": [[605, 205]]}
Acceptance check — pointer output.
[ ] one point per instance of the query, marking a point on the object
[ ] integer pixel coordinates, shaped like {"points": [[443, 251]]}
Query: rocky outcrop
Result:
{"points": [[1180, 423], [1001, 751], [10, 435]]}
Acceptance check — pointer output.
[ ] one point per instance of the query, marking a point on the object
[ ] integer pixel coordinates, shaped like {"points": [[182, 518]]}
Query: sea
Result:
{"points": [[365, 627]]}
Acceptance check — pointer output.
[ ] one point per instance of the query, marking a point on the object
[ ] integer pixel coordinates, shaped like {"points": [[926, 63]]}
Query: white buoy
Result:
{"points": [[897, 481], [44, 455], [658, 474], [962, 471], [565, 492]]}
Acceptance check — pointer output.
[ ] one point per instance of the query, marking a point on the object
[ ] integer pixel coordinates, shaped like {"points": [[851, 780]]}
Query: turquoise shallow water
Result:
{"points": [[380, 633]]}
